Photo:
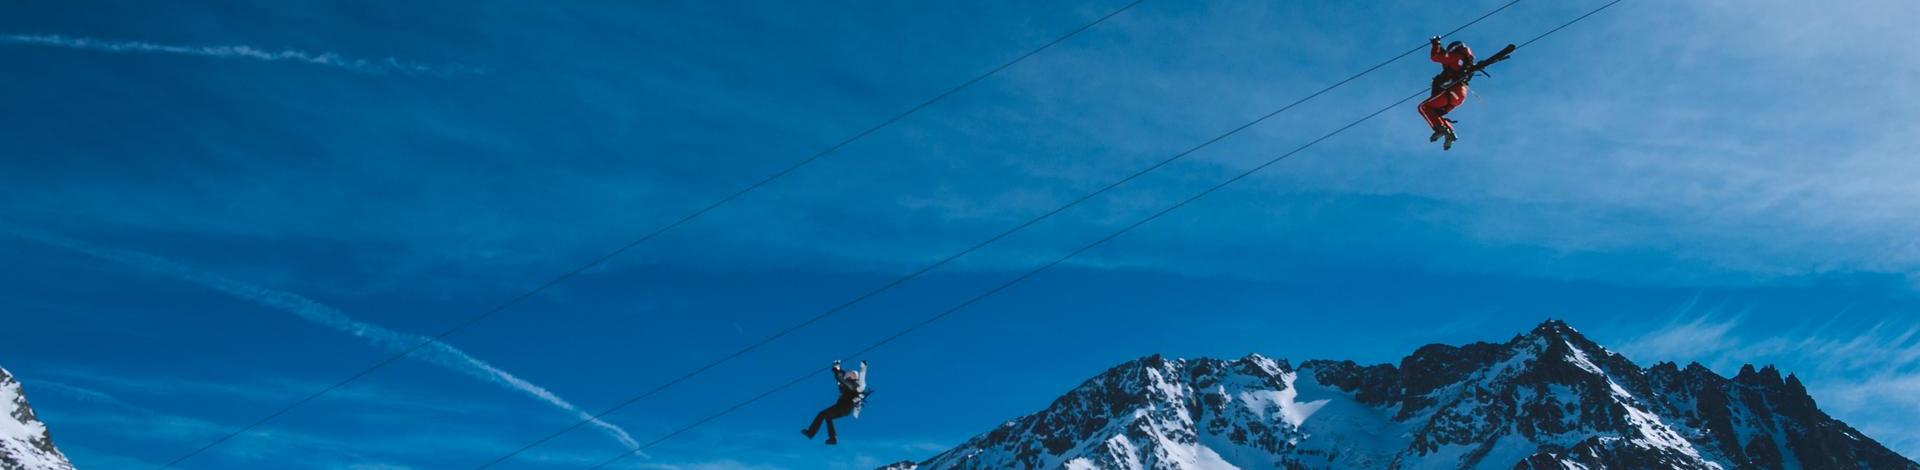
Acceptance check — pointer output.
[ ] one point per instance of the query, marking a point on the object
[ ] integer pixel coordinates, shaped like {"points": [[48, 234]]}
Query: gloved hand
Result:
{"points": [[1435, 40], [836, 363]]}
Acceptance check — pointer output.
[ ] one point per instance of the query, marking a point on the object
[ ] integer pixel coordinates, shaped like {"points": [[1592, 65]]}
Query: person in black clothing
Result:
{"points": [[853, 391]]}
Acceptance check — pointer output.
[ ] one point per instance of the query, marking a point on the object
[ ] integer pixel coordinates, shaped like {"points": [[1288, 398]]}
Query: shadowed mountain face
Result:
{"points": [[1547, 399], [24, 443]]}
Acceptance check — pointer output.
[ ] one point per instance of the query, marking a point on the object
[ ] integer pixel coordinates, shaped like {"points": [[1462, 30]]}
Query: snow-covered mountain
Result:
{"points": [[1547, 399], [24, 444]]}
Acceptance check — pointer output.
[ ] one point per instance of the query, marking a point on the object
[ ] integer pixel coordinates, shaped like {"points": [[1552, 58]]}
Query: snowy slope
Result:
{"points": [[24, 444], [1548, 399]]}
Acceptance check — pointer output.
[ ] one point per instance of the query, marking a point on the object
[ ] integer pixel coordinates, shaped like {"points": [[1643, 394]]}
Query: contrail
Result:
{"points": [[436, 353], [237, 52]]}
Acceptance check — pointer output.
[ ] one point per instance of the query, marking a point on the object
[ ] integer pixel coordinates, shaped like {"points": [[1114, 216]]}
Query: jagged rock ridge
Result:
{"points": [[1547, 399], [24, 443]]}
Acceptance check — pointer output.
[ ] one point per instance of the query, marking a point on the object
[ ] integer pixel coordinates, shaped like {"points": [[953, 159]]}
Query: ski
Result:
{"points": [[1494, 59]]}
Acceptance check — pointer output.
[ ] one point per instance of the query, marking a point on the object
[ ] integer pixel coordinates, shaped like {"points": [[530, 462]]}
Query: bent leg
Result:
{"points": [[825, 415], [1452, 99], [1436, 108], [837, 411], [1432, 109]]}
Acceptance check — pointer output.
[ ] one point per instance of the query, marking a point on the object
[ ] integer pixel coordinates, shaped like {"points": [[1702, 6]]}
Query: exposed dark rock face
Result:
{"points": [[1547, 399]]}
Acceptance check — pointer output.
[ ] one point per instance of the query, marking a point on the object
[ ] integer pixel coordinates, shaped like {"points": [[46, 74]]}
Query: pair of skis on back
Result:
{"points": [[861, 402], [1480, 68]]}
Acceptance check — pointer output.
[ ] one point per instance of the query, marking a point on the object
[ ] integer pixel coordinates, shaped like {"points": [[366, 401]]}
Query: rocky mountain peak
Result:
{"points": [[1556, 329], [1557, 335], [1764, 377]]}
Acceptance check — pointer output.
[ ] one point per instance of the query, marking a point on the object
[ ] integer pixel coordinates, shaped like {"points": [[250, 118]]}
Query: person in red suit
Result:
{"points": [[1449, 88]]}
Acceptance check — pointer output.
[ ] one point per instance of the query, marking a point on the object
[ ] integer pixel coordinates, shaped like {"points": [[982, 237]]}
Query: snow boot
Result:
{"points": [[1449, 143], [833, 440], [807, 432]]}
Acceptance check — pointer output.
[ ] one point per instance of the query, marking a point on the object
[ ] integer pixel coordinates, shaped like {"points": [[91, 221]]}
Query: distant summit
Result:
{"points": [[24, 443], [1547, 399]]}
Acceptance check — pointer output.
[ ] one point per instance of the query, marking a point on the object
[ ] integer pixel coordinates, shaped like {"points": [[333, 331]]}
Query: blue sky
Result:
{"points": [[212, 210]]}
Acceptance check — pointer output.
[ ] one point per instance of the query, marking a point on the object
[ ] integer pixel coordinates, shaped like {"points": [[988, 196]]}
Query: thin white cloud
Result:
{"points": [[324, 59], [111, 415], [104, 411], [1689, 333], [265, 390], [435, 352]]}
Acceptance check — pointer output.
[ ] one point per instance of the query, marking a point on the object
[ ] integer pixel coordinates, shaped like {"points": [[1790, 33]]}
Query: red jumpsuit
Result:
{"points": [[1454, 64]]}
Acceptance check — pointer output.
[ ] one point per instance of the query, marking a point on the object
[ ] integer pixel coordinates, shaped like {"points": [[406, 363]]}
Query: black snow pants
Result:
{"points": [[840, 409]]}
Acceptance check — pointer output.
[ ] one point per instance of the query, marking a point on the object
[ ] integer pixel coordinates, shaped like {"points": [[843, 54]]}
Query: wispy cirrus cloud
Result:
{"points": [[433, 352], [104, 410], [71, 380], [324, 59]]}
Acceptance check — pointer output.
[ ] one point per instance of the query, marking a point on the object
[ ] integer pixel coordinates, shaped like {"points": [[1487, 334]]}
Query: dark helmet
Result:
{"points": [[1454, 46]]}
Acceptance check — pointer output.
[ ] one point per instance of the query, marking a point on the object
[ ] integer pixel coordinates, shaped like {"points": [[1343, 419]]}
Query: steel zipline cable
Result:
{"points": [[980, 245], [815, 373], [977, 246], [649, 236]]}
